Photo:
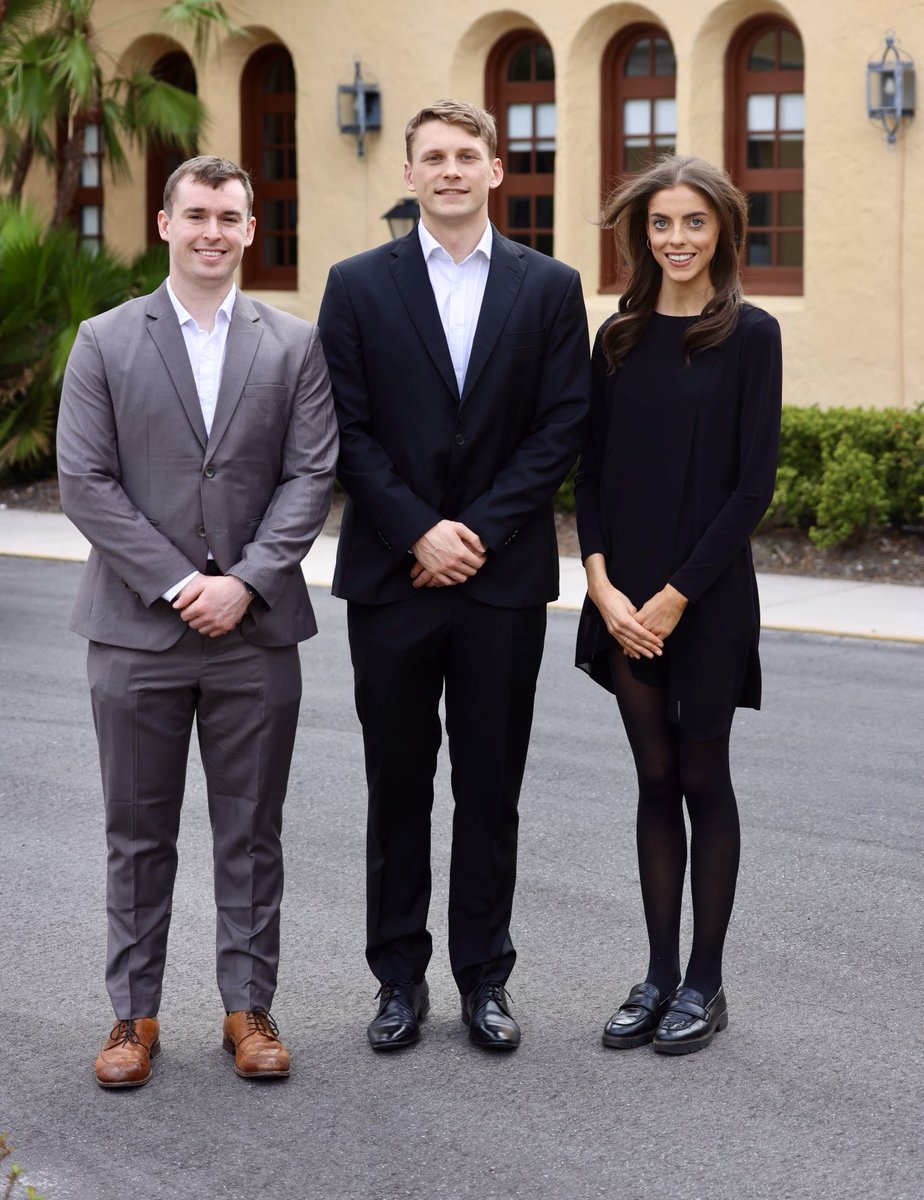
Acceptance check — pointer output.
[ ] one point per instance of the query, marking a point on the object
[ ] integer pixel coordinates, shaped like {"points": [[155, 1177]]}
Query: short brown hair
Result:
{"points": [[476, 121], [206, 168]]}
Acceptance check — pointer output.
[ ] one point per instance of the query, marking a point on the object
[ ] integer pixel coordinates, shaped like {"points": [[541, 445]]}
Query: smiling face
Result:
{"points": [[683, 229], [207, 232], [451, 172]]}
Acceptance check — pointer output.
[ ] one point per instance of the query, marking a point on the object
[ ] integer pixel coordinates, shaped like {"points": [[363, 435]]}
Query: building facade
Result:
{"points": [[583, 92]]}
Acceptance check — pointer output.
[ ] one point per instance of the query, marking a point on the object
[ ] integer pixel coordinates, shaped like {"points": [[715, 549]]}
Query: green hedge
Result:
{"points": [[842, 471]]}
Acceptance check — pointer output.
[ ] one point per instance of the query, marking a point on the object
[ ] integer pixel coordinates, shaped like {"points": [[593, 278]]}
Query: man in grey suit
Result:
{"points": [[196, 451]]}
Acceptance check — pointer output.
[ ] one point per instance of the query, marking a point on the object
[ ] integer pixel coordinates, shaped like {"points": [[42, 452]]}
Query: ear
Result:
{"points": [[497, 174], [409, 178], [251, 227], [163, 225]]}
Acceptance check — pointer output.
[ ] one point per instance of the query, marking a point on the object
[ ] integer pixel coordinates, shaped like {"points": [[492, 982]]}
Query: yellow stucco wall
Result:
{"points": [[853, 337]]}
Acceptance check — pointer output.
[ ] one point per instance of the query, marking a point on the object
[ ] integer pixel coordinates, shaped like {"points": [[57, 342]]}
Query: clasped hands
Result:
{"points": [[639, 631], [213, 604], [447, 554]]}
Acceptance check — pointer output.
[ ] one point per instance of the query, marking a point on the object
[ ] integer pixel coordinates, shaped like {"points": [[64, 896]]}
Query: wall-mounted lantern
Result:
{"points": [[890, 88], [359, 108], [403, 217]]}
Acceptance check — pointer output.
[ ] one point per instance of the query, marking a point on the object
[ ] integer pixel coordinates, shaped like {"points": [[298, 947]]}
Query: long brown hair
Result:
{"points": [[626, 212]]}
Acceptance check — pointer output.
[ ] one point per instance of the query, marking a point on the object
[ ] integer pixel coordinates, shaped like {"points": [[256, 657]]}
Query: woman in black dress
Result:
{"points": [[677, 471]]}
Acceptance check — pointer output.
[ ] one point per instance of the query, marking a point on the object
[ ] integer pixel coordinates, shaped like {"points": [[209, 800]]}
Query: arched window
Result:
{"points": [[268, 153], [163, 158], [639, 117], [765, 133], [520, 86]]}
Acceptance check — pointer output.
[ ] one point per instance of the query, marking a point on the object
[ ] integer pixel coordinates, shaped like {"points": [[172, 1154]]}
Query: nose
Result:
{"points": [[212, 228]]}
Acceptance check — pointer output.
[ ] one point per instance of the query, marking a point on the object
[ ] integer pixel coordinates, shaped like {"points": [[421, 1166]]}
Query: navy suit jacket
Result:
{"points": [[413, 451]]}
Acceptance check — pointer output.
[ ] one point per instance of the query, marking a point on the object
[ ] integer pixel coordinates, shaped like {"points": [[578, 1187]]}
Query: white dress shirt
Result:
{"points": [[459, 291], [206, 350]]}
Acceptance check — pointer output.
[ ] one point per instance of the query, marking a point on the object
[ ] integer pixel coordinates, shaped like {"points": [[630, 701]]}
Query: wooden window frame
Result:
{"points": [[255, 104], [498, 91], [770, 280], [615, 88]]}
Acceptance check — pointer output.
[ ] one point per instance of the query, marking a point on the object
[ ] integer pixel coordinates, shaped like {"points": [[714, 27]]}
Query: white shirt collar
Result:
{"points": [[224, 309], [429, 244]]}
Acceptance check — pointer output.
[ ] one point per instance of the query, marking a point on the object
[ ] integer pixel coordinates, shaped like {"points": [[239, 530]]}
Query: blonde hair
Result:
{"points": [[476, 121]]}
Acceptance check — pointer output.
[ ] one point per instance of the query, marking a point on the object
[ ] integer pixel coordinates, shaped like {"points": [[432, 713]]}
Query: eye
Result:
{"points": [[697, 222], [659, 223]]}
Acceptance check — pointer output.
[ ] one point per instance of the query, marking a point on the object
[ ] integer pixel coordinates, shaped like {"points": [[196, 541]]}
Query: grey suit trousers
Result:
{"points": [[244, 700]]}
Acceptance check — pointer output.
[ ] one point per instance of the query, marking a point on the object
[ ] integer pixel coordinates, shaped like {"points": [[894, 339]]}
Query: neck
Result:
{"points": [[201, 303], [457, 240], [678, 300]]}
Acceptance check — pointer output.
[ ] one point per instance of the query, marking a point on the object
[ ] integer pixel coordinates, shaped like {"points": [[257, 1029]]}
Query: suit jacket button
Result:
{"points": [[200, 529], [460, 440], [209, 471]]}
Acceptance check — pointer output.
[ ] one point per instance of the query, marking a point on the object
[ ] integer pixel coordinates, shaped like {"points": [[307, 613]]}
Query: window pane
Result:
{"points": [[545, 121], [636, 117], [789, 246], [792, 110], [636, 155], [791, 208], [518, 212], [279, 77], [274, 163], [760, 151], [90, 220], [545, 161], [519, 160], [91, 139], [638, 58], [89, 173], [665, 145], [792, 57], [519, 122], [544, 243], [520, 69], [545, 63], [760, 208], [758, 252], [763, 53], [665, 63], [762, 111], [545, 208], [665, 115], [791, 150]]}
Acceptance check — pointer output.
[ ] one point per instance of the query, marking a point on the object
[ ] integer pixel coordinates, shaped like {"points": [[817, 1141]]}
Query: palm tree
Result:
{"points": [[56, 80]]}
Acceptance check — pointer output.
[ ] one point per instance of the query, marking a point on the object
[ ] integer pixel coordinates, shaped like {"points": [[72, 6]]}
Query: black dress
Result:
{"points": [[677, 470]]}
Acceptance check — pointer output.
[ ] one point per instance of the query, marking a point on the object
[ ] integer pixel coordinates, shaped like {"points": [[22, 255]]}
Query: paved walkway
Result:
{"points": [[794, 602]]}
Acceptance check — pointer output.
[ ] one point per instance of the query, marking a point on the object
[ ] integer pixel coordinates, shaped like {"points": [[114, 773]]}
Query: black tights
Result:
{"points": [[672, 767]]}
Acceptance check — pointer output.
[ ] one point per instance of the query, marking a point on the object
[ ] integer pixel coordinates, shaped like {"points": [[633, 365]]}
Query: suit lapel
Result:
{"points": [[168, 337], [505, 276], [243, 339], [413, 283]]}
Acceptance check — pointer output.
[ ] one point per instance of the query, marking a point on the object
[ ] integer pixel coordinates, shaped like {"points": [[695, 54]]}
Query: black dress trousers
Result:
{"points": [[487, 658]]}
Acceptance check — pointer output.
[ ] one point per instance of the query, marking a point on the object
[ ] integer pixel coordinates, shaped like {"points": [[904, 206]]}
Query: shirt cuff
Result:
{"points": [[171, 593]]}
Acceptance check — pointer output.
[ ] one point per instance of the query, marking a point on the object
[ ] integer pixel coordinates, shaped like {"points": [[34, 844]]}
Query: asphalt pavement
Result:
{"points": [[813, 1092]]}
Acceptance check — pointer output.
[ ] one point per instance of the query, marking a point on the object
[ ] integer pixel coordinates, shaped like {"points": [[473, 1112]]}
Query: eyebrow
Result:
{"points": [[686, 216], [198, 211]]}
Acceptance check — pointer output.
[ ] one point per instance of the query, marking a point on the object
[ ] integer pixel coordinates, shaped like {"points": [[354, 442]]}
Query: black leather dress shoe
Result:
{"points": [[634, 1022], [486, 1012], [402, 1006], [690, 1023]]}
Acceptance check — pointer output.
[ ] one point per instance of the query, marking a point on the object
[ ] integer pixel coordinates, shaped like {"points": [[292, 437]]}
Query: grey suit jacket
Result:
{"points": [[153, 494]]}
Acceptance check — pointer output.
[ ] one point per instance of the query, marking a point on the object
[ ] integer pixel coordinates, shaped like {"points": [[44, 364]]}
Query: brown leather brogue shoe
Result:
{"points": [[125, 1060], [252, 1037]]}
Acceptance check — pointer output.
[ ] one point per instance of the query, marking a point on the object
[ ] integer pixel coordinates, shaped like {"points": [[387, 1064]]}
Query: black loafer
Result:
{"points": [[402, 1006], [689, 1023], [486, 1012], [634, 1022]]}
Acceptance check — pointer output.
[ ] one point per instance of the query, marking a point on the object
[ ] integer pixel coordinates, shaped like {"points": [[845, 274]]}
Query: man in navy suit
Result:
{"points": [[460, 370]]}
